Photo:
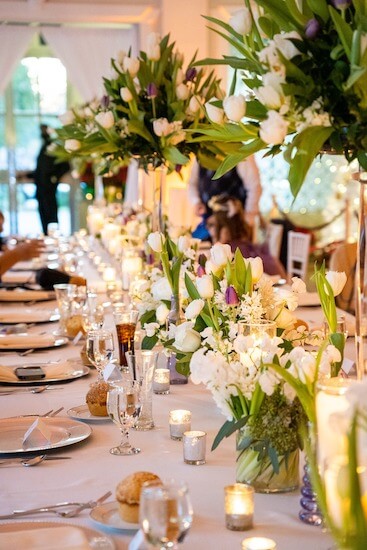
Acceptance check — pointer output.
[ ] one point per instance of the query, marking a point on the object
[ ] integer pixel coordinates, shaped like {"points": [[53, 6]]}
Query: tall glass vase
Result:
{"points": [[157, 181], [175, 317], [361, 278]]}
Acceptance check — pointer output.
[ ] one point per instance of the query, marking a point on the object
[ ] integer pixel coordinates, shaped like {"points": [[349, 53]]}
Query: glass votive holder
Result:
{"points": [[109, 274], [194, 447], [161, 382], [179, 422], [239, 506], [259, 543]]}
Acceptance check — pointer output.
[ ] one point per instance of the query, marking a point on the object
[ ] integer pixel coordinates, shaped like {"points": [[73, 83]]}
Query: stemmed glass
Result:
{"points": [[123, 406], [165, 513], [99, 349]]}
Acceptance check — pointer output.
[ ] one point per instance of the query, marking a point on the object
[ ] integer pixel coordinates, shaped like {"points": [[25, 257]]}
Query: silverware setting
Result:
{"points": [[34, 389], [76, 508], [32, 461]]}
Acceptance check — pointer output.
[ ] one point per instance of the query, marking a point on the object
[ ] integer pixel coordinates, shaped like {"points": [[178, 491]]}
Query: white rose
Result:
{"points": [[72, 145], [105, 119], [241, 21], [205, 286], [182, 91], [194, 309], [131, 65], [220, 254], [337, 280], [257, 268], [201, 367], [156, 241], [235, 107], [161, 289], [216, 114], [67, 118], [186, 338], [161, 127], [183, 243], [162, 314], [298, 285], [268, 380], [125, 94], [153, 50], [273, 129]]}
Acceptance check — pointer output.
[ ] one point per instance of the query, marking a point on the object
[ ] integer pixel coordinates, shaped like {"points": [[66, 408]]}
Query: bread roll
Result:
{"points": [[128, 494], [96, 399]]}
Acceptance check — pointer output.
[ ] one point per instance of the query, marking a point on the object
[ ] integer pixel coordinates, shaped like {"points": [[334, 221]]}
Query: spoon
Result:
{"points": [[33, 461]]}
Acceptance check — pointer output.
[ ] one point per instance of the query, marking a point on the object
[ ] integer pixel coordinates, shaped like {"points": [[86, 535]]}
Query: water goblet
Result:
{"points": [[99, 349], [123, 406], [165, 513]]}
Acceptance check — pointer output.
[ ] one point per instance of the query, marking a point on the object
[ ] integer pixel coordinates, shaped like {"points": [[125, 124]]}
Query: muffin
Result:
{"points": [[74, 325], [128, 495], [96, 399]]}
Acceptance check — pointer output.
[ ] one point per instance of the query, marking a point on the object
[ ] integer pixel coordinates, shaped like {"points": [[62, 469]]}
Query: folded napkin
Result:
{"points": [[26, 315], [23, 295], [111, 373], [60, 370], [57, 538], [37, 434], [18, 277], [26, 340]]}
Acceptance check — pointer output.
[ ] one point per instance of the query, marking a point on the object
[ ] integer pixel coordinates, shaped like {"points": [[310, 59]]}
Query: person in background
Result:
{"points": [[46, 176], [228, 226], [22, 252], [242, 182]]}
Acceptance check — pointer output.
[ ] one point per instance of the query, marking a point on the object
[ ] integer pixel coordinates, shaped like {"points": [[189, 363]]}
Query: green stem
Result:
{"points": [[214, 321]]}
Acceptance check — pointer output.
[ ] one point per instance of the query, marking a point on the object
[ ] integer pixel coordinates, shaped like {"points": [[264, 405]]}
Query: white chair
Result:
{"points": [[298, 254], [274, 235]]}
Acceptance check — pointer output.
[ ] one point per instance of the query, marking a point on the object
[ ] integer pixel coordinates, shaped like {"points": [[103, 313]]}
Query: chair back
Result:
{"points": [[274, 235], [298, 254]]}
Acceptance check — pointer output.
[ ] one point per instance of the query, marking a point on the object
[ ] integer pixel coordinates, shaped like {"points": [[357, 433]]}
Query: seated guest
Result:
{"points": [[227, 225]]}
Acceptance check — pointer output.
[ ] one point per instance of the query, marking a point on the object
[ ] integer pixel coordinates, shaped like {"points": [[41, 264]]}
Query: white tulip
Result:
{"points": [[257, 268], [156, 241], [183, 243], [125, 94], [72, 145], [269, 97], [182, 91], [180, 77], [337, 280], [131, 65], [235, 107], [241, 21], [67, 118], [283, 318], [220, 254], [216, 114], [194, 104], [161, 289], [205, 286], [186, 338], [285, 46], [298, 285], [273, 129], [194, 309], [162, 314], [161, 127], [211, 267], [120, 57], [105, 119], [153, 50]]}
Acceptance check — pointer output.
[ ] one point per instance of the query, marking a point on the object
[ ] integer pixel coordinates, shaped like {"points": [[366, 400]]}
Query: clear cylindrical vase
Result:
{"points": [[361, 279], [175, 317]]}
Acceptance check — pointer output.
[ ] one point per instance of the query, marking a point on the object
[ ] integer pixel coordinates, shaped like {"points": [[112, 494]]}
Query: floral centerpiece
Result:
{"points": [[303, 65]]}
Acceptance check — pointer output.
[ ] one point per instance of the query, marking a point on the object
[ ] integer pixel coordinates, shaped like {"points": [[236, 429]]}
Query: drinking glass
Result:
{"points": [[99, 349], [92, 313], [165, 513], [141, 368], [123, 406], [125, 321], [64, 295]]}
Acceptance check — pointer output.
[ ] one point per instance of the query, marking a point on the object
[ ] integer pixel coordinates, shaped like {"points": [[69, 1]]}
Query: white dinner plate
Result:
{"points": [[96, 539], [60, 372], [108, 515], [23, 295], [83, 413], [28, 315], [26, 341], [63, 432]]}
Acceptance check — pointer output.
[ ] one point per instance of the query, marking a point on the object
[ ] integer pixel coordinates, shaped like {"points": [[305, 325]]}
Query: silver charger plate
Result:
{"points": [[13, 317], [64, 432], [61, 341], [83, 413], [96, 539], [78, 372], [26, 295], [107, 515]]}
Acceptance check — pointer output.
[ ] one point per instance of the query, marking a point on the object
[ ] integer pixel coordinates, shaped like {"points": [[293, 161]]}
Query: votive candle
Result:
{"points": [[179, 422], [239, 506], [259, 543], [161, 381], [194, 447], [109, 274]]}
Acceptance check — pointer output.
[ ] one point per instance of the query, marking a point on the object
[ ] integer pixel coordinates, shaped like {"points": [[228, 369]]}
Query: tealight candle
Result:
{"points": [[109, 274], [239, 506], [194, 446], [161, 381], [131, 265], [258, 543], [179, 422]]}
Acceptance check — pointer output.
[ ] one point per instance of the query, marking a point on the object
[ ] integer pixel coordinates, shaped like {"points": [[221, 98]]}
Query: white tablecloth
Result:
{"points": [[92, 470]]}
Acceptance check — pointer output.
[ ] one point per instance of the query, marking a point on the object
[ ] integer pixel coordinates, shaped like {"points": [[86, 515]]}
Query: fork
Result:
{"points": [[36, 389]]}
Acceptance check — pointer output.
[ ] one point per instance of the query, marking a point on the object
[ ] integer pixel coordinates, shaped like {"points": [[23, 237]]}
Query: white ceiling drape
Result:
{"points": [[14, 41], [86, 53]]}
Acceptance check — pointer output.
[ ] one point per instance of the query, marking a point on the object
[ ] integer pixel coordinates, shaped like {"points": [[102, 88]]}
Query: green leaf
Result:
{"points": [[228, 428], [149, 342], [320, 8], [191, 288], [172, 154], [343, 29], [147, 317]]}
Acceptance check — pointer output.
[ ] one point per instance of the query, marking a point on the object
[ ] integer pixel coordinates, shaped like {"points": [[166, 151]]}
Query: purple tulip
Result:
{"points": [[178, 168], [152, 90], [341, 4], [231, 296], [202, 260], [190, 74], [105, 101], [312, 28], [200, 271]]}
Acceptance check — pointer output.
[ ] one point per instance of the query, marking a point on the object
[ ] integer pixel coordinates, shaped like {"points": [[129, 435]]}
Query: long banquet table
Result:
{"points": [[92, 470]]}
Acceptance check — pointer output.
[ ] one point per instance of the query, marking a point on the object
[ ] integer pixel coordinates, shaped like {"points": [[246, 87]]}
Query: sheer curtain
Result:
{"points": [[14, 41], [86, 53]]}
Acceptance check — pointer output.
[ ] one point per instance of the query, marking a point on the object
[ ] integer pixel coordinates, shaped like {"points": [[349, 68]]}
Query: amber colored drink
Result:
{"points": [[125, 337]]}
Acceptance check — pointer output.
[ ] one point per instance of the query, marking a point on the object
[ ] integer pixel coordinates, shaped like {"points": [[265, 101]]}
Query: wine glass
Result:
{"points": [[99, 349], [123, 406], [165, 513]]}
